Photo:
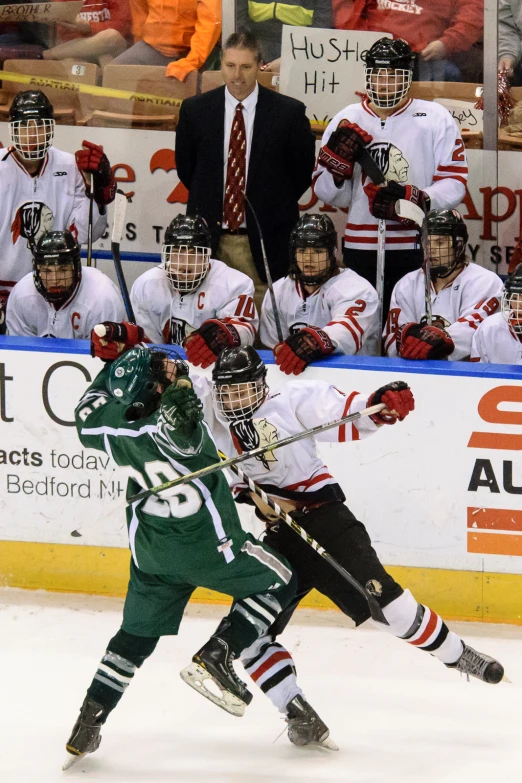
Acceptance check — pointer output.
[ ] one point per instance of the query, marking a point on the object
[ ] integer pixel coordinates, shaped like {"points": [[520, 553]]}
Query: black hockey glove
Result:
{"points": [[300, 349], [397, 397], [382, 200], [419, 341], [342, 149]]}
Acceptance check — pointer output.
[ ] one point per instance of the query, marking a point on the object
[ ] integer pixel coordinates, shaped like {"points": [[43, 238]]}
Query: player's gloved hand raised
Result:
{"points": [[398, 399], [300, 349], [420, 341], [205, 344], [110, 339], [342, 149], [93, 160], [382, 200], [181, 409]]}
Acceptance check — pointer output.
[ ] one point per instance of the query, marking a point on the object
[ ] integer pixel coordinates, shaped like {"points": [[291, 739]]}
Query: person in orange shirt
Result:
{"points": [[179, 34], [100, 33]]}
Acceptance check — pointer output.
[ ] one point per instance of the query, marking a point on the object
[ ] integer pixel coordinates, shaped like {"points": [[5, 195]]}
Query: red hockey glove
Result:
{"points": [[93, 160], [205, 344], [382, 200], [398, 399], [109, 339], [419, 341], [342, 149], [300, 349]]}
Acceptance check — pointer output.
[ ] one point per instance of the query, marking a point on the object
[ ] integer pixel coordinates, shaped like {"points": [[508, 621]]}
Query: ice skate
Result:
{"points": [[213, 665], [478, 665], [305, 727], [85, 737]]}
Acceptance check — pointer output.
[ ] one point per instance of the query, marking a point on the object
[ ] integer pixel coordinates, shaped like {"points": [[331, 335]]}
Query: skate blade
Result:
{"points": [[71, 760], [327, 743], [505, 678], [196, 676]]}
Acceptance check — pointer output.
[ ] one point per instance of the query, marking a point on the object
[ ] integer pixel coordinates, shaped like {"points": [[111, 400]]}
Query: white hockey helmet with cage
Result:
{"points": [[389, 71], [238, 383], [31, 124], [511, 304], [185, 254]]}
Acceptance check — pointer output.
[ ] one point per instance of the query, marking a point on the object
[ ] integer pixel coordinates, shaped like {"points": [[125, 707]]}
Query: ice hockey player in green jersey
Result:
{"points": [[141, 410]]}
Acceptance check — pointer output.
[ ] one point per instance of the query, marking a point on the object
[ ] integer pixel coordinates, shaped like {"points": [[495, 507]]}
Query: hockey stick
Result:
{"points": [[405, 209], [91, 217], [198, 474], [267, 273], [375, 610], [118, 222]]}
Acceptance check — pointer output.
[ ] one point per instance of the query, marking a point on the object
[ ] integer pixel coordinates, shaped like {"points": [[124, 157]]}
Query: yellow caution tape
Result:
{"points": [[89, 89]]}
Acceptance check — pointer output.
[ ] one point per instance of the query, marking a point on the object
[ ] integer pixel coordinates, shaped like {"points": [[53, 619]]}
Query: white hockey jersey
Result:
{"points": [[292, 408], [420, 145], [53, 200], [462, 304], [97, 299], [496, 342], [345, 307], [169, 317]]}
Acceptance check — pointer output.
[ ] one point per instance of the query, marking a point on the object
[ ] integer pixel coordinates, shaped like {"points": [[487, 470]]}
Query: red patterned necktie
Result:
{"points": [[234, 202]]}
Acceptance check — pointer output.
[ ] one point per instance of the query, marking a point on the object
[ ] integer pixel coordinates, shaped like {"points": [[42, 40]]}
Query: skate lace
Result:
{"points": [[472, 662]]}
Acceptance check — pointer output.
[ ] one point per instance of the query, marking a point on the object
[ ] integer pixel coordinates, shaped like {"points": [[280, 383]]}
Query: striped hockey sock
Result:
{"points": [[421, 627], [272, 668], [111, 680]]}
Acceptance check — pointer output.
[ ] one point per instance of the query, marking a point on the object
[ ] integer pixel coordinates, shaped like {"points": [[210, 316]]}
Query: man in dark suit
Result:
{"points": [[239, 132]]}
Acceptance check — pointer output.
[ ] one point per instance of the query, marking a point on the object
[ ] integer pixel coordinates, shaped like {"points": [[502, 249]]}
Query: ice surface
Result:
{"points": [[397, 714]]}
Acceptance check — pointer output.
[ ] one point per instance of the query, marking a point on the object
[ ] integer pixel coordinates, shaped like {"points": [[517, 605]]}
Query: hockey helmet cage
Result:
{"points": [[389, 70], [139, 377], [31, 124], [238, 383], [313, 231], [185, 253], [57, 267], [446, 222], [511, 305]]}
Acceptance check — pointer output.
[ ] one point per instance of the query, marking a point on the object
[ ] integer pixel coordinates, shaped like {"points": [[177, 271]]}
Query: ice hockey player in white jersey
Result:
{"points": [[498, 339], [463, 294], [43, 188], [322, 309], [418, 148], [60, 298], [194, 300]]}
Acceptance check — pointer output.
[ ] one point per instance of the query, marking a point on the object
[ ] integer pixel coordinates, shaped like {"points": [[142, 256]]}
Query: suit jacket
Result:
{"points": [[281, 163]]}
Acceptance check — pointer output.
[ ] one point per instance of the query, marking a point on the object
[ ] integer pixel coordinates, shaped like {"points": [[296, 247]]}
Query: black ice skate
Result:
{"points": [[478, 665], [85, 736], [213, 664], [305, 727]]}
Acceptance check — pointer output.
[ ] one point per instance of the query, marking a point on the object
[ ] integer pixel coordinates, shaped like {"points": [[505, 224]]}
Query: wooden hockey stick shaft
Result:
{"points": [[198, 474], [375, 610], [118, 224], [270, 284], [91, 218]]}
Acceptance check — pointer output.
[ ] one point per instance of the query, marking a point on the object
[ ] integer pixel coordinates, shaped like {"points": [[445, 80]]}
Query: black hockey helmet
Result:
{"points": [[31, 124], [238, 382], [186, 252], [316, 231], [139, 377], [446, 222], [57, 249], [386, 55], [511, 305]]}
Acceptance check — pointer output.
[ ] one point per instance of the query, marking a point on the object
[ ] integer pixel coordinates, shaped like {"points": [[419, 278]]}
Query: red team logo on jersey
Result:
{"points": [[31, 221]]}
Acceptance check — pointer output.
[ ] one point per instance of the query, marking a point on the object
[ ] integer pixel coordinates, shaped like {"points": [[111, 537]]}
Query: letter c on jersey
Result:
{"points": [[75, 317], [45, 389], [489, 411]]}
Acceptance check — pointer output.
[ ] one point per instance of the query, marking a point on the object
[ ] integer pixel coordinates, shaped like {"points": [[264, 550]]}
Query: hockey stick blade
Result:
{"points": [[118, 217], [409, 211], [198, 474]]}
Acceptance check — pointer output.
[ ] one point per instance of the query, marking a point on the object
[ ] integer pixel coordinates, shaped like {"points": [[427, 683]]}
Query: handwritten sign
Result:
{"points": [[465, 115], [41, 12], [324, 68]]}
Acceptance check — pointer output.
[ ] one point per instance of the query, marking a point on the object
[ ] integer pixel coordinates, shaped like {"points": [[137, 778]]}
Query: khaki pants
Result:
{"points": [[234, 251]]}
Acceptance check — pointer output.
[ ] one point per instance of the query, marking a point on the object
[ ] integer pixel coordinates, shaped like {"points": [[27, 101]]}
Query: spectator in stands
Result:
{"points": [[321, 309], [99, 33], [510, 38], [59, 298], [266, 19], [267, 140], [179, 34], [437, 31], [463, 294]]}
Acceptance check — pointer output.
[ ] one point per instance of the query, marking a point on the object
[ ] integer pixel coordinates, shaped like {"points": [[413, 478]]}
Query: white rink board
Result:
{"points": [[408, 483]]}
